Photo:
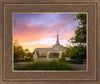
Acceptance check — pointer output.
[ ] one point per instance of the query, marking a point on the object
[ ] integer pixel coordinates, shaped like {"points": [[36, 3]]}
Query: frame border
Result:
{"points": [[1, 35]]}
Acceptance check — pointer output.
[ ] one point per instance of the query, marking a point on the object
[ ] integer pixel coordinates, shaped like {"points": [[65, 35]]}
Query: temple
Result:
{"points": [[54, 52]]}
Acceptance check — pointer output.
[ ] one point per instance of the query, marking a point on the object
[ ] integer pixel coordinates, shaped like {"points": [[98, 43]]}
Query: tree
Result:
{"points": [[78, 53], [18, 52], [80, 33], [21, 54]]}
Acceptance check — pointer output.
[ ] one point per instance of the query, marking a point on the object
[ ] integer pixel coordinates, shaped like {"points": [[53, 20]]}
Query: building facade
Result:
{"points": [[54, 52]]}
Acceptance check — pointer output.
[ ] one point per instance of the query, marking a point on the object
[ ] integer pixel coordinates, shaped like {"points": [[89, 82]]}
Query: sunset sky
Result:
{"points": [[39, 30]]}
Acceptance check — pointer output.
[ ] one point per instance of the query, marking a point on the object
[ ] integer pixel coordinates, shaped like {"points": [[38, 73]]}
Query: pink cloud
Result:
{"points": [[28, 32]]}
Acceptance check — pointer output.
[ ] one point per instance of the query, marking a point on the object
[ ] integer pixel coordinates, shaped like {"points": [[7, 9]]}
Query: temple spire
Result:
{"points": [[57, 42]]}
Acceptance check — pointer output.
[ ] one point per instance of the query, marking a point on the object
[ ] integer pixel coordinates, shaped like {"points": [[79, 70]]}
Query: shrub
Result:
{"points": [[76, 53], [62, 59]]}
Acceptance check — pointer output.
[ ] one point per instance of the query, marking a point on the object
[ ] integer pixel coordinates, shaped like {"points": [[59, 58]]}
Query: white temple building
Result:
{"points": [[54, 52]]}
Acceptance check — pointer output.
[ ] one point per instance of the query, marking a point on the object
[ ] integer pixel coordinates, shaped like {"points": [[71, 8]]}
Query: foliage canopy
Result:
{"points": [[21, 54], [80, 33]]}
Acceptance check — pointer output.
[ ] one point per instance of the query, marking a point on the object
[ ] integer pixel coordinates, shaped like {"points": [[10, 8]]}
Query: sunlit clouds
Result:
{"points": [[40, 30]]}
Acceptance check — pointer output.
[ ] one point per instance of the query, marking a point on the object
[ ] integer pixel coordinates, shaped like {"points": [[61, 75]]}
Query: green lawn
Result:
{"points": [[45, 65]]}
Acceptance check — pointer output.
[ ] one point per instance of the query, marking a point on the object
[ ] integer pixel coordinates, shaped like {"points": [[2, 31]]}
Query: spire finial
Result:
{"points": [[57, 42]]}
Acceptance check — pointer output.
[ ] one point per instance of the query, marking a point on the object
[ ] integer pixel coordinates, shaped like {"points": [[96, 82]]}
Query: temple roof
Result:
{"points": [[56, 47]]}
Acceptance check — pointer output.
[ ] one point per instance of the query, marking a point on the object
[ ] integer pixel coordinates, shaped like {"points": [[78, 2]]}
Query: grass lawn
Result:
{"points": [[45, 65]]}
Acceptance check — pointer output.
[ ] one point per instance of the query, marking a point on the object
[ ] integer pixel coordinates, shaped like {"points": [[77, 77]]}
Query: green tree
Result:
{"points": [[80, 33], [78, 53]]}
